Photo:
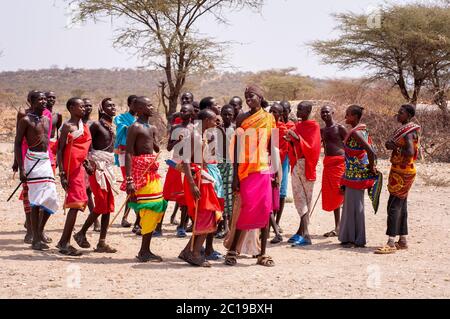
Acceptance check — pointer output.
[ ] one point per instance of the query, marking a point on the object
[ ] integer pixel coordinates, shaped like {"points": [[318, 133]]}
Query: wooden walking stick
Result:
{"points": [[197, 201], [31, 170], [129, 196], [315, 204]]}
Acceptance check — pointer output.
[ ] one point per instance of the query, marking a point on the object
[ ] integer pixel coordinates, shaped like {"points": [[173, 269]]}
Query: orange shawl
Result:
{"points": [[254, 136]]}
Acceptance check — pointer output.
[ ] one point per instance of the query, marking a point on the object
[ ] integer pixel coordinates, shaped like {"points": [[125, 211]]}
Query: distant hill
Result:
{"points": [[117, 84]]}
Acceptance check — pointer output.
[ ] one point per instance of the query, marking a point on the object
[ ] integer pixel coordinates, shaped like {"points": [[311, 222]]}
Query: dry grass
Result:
{"points": [[434, 180]]}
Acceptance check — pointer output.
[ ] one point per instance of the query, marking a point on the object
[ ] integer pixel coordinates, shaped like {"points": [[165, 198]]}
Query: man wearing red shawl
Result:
{"points": [[252, 178], [333, 135], [404, 146], [74, 145], [306, 139]]}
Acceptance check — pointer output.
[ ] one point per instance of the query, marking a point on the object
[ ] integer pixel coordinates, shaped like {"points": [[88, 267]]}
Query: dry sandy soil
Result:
{"points": [[324, 270]]}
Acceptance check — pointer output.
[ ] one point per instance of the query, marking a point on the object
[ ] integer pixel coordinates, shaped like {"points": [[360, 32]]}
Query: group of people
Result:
{"points": [[228, 175]]}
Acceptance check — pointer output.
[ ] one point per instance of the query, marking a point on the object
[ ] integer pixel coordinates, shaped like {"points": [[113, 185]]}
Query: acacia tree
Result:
{"points": [[164, 33], [283, 84], [410, 47]]}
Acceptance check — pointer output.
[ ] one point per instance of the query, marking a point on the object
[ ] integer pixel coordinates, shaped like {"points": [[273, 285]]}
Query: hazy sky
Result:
{"points": [[33, 35]]}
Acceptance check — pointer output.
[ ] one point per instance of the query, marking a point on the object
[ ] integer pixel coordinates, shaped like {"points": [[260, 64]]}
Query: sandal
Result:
{"points": [[69, 250], [276, 240], [332, 233], [197, 261], [386, 250], [149, 258], [181, 233], [214, 256], [231, 258], [81, 240], [39, 246], [105, 249], [265, 261], [46, 239], [125, 223], [294, 239], [401, 246], [302, 242]]}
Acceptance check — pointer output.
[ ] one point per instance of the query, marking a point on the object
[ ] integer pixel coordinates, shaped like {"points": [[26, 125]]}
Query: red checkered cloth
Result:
{"points": [[144, 169]]}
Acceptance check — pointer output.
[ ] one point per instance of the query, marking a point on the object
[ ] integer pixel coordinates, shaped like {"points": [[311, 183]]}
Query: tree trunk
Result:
{"points": [[441, 101], [173, 103]]}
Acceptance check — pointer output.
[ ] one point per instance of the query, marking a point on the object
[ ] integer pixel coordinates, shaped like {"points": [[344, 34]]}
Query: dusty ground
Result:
{"points": [[323, 270]]}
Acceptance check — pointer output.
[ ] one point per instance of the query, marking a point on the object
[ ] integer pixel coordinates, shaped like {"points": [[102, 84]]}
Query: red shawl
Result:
{"points": [[76, 150], [308, 147], [144, 169], [283, 144]]}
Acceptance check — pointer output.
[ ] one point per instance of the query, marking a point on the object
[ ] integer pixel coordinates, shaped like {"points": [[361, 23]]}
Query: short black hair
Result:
{"points": [[410, 109], [285, 105], [131, 99], [72, 102], [206, 114], [188, 93], [105, 100], [306, 104], [206, 103], [227, 106], [356, 110], [278, 105], [33, 95], [237, 98]]}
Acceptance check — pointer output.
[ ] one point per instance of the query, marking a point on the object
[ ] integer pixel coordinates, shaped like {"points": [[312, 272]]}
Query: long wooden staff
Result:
{"points": [[129, 196], [197, 201], [31, 170]]}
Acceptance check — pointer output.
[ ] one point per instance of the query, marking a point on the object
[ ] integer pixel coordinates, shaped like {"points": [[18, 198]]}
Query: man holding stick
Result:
{"points": [[307, 144], [36, 168], [24, 195]]}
